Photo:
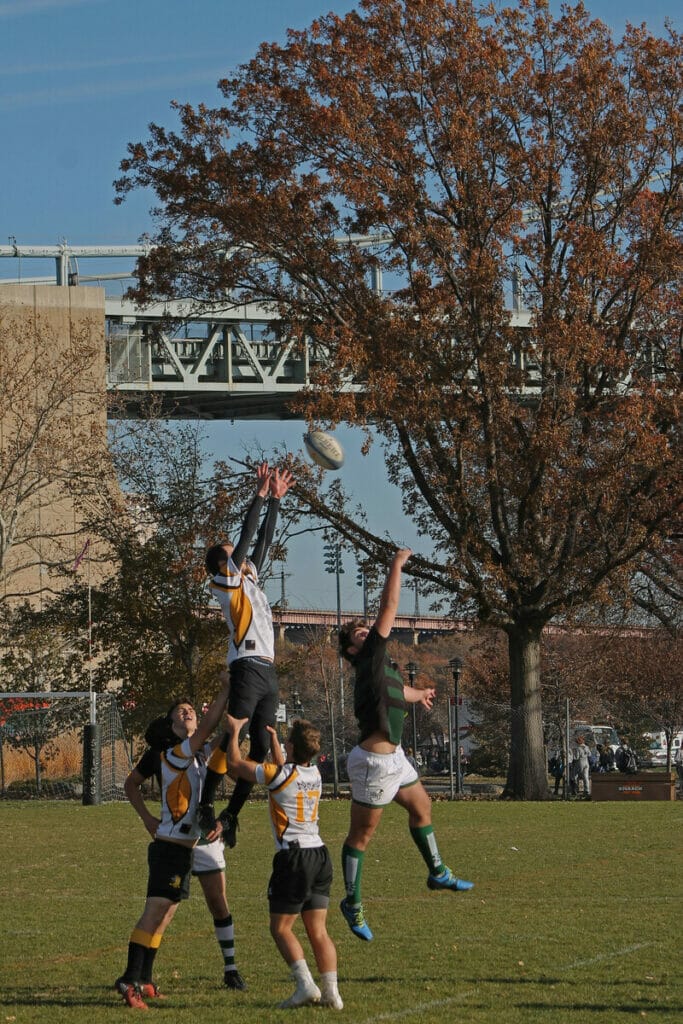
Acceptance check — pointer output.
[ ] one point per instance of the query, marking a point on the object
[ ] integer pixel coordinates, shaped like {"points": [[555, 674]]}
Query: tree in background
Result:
{"points": [[52, 445], [640, 682], [517, 180]]}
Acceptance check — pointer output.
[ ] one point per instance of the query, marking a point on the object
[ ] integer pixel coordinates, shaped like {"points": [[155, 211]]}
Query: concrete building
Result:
{"points": [[52, 429]]}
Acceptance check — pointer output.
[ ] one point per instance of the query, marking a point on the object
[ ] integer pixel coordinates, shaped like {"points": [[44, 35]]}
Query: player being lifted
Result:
{"points": [[251, 651], [378, 769]]}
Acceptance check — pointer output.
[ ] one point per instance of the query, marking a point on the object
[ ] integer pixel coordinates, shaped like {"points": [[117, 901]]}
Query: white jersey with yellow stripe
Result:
{"points": [[182, 777], [294, 793], [246, 611]]}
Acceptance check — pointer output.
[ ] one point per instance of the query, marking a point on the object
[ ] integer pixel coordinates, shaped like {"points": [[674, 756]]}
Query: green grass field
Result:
{"points": [[576, 917]]}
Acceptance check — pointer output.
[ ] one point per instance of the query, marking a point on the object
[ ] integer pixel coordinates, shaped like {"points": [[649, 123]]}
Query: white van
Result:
{"points": [[596, 735], [655, 755]]}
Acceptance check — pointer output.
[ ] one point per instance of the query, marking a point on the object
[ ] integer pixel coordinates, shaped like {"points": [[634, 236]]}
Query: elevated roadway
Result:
{"points": [[232, 361]]}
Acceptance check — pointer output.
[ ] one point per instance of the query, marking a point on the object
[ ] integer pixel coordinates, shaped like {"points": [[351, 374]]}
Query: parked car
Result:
{"points": [[325, 764], [654, 753]]}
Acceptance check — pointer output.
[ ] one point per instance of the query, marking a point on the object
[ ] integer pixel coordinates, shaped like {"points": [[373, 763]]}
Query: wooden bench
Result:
{"points": [[635, 786]]}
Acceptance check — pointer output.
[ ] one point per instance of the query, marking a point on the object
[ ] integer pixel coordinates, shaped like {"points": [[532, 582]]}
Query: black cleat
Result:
{"points": [[230, 828], [234, 980]]}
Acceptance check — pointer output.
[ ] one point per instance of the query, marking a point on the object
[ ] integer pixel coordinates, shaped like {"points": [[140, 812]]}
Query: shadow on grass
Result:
{"points": [[637, 1009], [83, 996]]}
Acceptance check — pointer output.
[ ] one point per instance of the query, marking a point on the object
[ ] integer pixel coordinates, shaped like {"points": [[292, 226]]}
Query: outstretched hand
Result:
{"points": [[235, 724], [280, 482], [427, 698], [263, 477], [402, 556]]}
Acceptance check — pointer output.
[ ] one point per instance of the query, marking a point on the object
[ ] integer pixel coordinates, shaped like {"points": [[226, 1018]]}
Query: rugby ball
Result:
{"points": [[324, 449]]}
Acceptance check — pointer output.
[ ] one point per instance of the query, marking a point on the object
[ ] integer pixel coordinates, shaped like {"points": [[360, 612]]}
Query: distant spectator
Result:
{"points": [[678, 761], [625, 757], [556, 766], [464, 765], [410, 758], [606, 760], [581, 755]]}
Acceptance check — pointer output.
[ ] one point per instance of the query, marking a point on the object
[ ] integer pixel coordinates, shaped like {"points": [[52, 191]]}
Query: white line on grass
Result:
{"points": [[605, 956], [436, 1004]]}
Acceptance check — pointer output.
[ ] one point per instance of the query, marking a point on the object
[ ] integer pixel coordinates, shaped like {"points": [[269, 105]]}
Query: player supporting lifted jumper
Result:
{"points": [[251, 652], [302, 870], [208, 859], [169, 855], [378, 769]]}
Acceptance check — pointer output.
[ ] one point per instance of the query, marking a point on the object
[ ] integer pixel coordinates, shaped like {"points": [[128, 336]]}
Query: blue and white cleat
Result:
{"points": [[447, 880], [356, 920]]}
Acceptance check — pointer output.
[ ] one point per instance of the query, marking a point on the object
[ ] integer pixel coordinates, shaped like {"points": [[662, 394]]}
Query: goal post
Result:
{"points": [[62, 744]]}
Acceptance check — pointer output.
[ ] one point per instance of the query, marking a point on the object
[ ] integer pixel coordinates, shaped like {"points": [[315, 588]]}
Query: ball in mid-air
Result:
{"points": [[324, 449]]}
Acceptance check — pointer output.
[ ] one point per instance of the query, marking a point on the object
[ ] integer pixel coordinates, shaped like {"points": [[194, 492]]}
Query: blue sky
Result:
{"points": [[79, 79]]}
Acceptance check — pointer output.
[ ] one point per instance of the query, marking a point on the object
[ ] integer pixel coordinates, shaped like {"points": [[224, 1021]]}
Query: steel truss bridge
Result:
{"points": [[232, 362]]}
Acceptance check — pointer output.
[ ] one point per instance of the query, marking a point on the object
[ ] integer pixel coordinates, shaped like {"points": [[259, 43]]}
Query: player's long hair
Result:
{"points": [[345, 637], [305, 740]]}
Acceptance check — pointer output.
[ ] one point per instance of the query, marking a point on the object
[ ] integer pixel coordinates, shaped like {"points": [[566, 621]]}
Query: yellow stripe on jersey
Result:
{"points": [[278, 814], [241, 610], [241, 614], [178, 793]]}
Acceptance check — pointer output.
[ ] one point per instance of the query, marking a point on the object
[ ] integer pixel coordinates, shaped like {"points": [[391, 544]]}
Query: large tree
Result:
{"points": [[517, 179]]}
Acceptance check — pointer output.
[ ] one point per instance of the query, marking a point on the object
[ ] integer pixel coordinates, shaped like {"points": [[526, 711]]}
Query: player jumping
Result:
{"points": [[378, 769]]}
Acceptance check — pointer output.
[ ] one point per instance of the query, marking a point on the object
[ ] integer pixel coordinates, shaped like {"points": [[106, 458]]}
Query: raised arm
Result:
{"points": [[251, 519], [238, 768], [391, 594], [275, 747], [280, 482], [213, 715]]}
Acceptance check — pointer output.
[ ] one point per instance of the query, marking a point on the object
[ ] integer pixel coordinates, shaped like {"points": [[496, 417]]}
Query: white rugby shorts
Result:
{"points": [[208, 857], [376, 778]]}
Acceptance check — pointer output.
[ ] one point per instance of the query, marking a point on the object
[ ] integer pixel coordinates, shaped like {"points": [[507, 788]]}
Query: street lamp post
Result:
{"points": [[362, 582], [456, 669], [297, 705], [411, 668]]}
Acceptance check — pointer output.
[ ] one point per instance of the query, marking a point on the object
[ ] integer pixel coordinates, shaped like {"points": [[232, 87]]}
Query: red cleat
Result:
{"points": [[131, 994]]}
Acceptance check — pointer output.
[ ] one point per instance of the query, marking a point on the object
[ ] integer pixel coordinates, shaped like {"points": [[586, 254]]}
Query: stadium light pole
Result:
{"points": [[333, 565], [362, 582], [456, 669], [411, 668]]}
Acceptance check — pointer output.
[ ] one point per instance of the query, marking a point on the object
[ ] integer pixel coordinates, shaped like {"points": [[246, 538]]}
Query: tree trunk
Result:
{"points": [[527, 771]]}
